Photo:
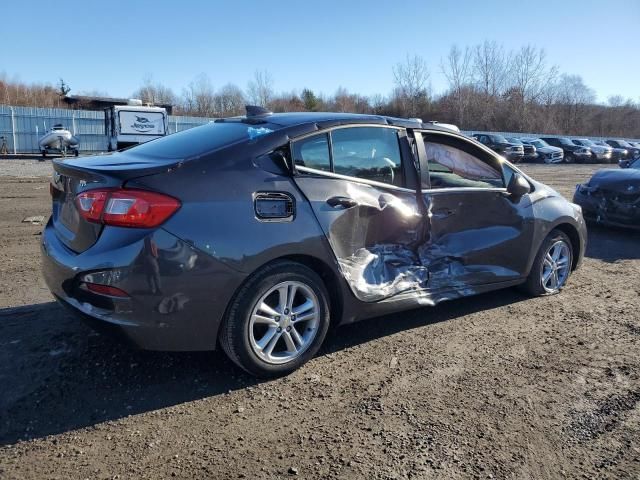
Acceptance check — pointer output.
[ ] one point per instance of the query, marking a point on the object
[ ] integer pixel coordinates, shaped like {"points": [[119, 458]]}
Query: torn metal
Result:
{"points": [[430, 246]]}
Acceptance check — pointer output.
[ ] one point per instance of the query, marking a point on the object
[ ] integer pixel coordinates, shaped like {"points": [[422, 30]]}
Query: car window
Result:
{"points": [[200, 140], [312, 152], [507, 172], [451, 167], [371, 153]]}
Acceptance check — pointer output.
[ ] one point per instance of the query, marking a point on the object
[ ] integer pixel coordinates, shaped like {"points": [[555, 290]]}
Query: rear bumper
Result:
{"points": [[177, 296]]}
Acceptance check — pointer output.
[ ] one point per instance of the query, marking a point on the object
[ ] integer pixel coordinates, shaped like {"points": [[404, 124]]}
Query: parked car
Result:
{"points": [[612, 197], [530, 152], [546, 153], [498, 143], [617, 154], [631, 162], [623, 144], [600, 153], [633, 143], [280, 224], [572, 153]]}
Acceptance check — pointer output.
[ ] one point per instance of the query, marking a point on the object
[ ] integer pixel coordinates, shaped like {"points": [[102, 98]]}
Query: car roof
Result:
{"points": [[330, 119]]}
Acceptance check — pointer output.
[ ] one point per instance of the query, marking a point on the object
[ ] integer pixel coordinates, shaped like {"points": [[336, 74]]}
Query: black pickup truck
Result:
{"points": [[512, 151], [572, 153]]}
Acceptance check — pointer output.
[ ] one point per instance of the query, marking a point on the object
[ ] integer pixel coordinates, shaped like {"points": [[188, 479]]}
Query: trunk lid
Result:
{"points": [[72, 177]]}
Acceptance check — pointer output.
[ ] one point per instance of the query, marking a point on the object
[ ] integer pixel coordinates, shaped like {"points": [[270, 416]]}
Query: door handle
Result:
{"points": [[345, 202], [442, 213]]}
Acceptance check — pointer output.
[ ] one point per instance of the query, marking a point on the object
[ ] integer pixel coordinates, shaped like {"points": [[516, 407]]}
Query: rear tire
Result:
{"points": [[568, 158], [269, 341], [546, 264]]}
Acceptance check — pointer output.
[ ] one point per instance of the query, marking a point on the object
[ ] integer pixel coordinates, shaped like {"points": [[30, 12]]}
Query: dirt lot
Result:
{"points": [[495, 386]]}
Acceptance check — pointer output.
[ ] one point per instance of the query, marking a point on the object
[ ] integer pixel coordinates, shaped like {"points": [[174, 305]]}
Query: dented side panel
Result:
{"points": [[476, 238], [390, 241], [375, 236]]}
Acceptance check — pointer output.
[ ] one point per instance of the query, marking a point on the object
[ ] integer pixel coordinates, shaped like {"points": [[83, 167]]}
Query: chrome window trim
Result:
{"points": [[339, 176], [395, 187], [348, 125]]}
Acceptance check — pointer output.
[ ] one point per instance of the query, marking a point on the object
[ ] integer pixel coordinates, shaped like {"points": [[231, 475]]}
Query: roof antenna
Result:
{"points": [[257, 111]]}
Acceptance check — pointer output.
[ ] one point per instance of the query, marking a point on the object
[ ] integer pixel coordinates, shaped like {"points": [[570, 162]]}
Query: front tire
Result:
{"points": [[277, 321], [551, 267]]}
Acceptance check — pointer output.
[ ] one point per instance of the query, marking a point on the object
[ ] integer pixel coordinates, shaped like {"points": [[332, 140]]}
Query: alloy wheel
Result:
{"points": [[556, 266], [284, 322]]}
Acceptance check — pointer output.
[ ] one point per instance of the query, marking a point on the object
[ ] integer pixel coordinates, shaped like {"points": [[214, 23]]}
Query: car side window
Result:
{"points": [[312, 152], [370, 153], [451, 166], [507, 172]]}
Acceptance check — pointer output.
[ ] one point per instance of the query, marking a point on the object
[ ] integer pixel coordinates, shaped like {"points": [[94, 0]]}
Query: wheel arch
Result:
{"points": [[574, 236], [327, 275], [331, 282]]}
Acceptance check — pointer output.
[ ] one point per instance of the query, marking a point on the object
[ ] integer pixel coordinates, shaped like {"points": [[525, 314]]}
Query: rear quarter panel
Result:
{"points": [[217, 216]]}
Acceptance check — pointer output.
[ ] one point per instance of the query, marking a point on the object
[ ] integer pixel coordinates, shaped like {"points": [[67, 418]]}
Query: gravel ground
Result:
{"points": [[25, 168], [494, 386]]}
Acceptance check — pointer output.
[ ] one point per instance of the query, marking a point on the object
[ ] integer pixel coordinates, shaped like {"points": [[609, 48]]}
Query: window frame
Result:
{"points": [[405, 163], [310, 136]]}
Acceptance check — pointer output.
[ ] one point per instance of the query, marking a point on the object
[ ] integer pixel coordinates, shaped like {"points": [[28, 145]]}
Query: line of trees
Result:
{"points": [[488, 88]]}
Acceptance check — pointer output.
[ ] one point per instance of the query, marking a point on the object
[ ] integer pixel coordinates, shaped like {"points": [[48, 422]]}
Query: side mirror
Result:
{"points": [[518, 186], [624, 163]]}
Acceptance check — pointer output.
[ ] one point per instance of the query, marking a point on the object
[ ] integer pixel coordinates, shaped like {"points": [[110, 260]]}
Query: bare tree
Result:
{"points": [[63, 88], [229, 100], [490, 67], [411, 78], [489, 70], [155, 93], [573, 96], [456, 68], [377, 103], [260, 89], [530, 73], [199, 97]]}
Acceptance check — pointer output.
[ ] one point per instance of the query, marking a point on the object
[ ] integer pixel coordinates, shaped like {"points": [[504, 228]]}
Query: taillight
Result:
{"points": [[106, 290], [126, 208]]}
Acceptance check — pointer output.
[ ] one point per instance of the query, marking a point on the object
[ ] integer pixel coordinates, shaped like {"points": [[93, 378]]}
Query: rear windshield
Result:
{"points": [[200, 140]]}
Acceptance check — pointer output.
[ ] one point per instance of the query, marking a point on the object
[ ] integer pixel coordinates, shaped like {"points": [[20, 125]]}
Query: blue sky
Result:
{"points": [[111, 46]]}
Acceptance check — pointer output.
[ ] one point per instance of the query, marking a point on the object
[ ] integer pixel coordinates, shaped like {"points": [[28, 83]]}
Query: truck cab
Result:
{"points": [[132, 124]]}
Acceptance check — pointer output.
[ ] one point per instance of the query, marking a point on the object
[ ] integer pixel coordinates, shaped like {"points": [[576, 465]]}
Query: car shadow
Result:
{"points": [[611, 244], [58, 375]]}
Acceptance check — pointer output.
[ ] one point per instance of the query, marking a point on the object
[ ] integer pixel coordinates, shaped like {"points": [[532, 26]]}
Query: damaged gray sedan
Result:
{"points": [[612, 197], [256, 233]]}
